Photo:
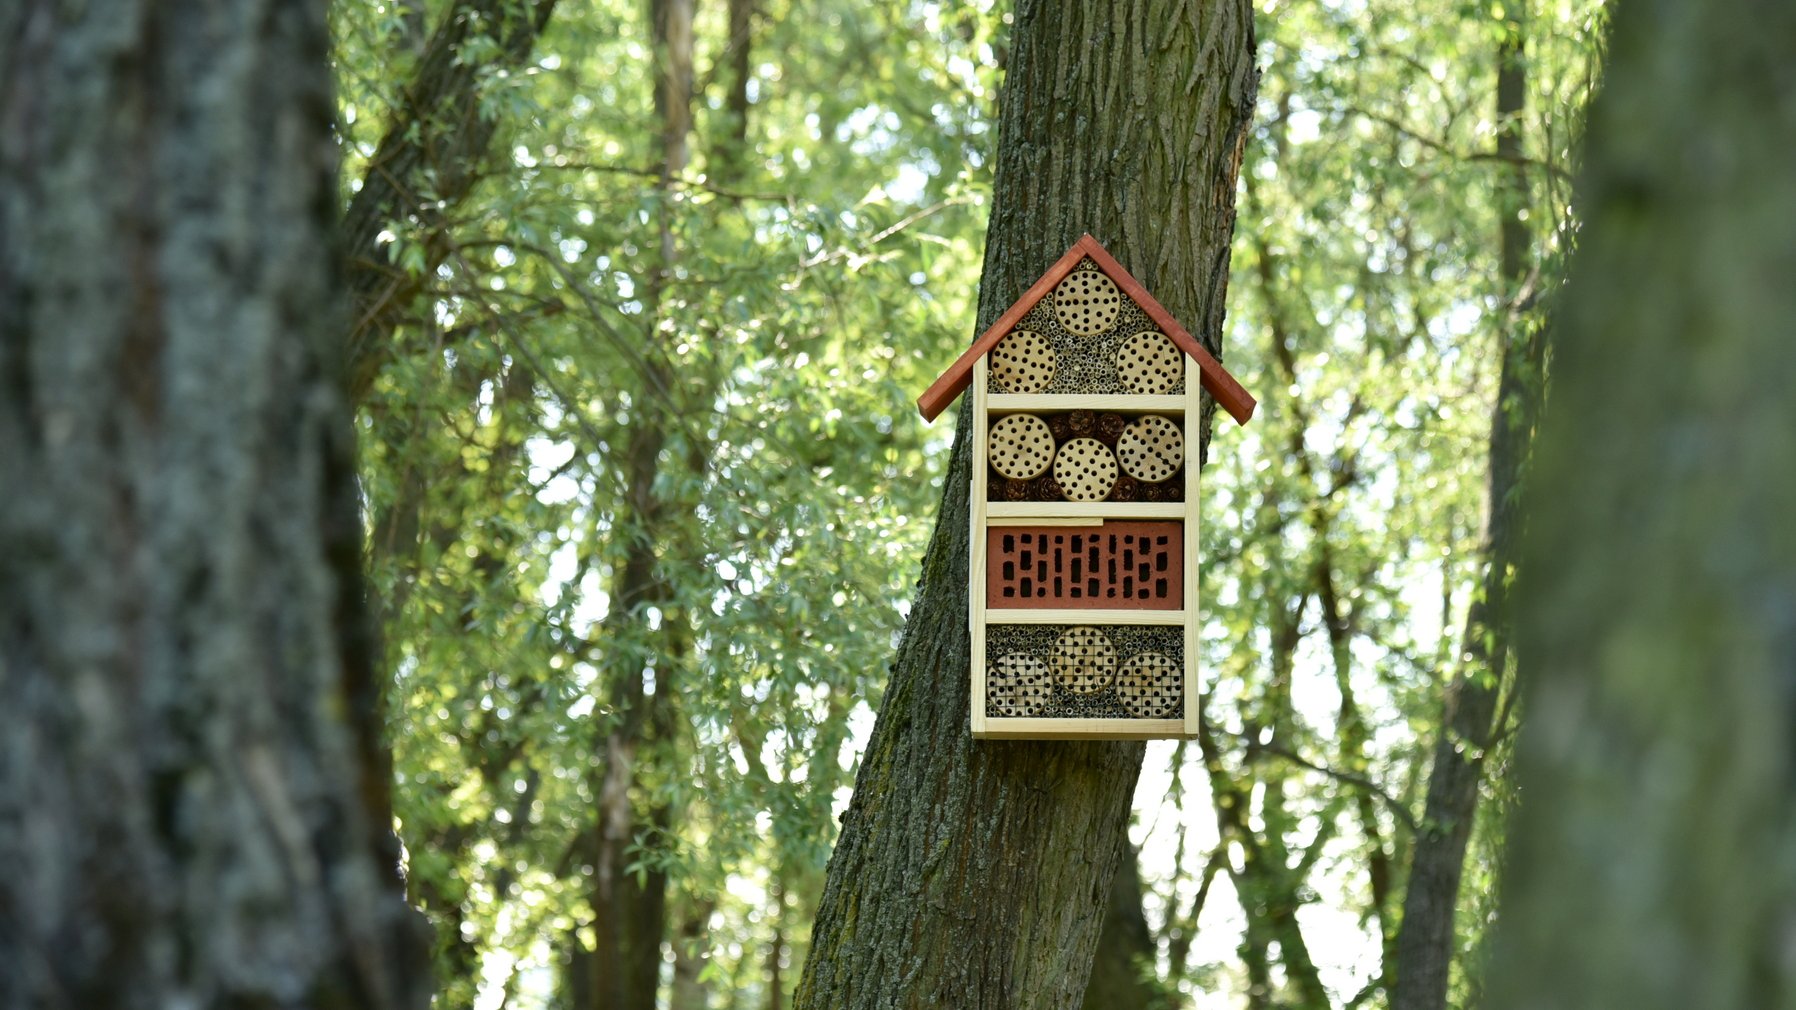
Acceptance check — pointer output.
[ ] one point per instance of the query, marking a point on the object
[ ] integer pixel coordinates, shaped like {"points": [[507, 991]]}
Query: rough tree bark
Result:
{"points": [[1650, 865], [1424, 943], [975, 874], [185, 818]]}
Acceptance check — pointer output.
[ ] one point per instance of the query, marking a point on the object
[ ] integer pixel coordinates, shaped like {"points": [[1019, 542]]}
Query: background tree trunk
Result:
{"points": [[976, 874], [1471, 721], [630, 901], [427, 163], [186, 818], [1651, 859]]}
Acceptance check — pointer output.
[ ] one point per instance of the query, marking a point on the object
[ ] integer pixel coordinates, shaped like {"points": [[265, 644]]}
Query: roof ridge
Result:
{"points": [[1222, 386]]}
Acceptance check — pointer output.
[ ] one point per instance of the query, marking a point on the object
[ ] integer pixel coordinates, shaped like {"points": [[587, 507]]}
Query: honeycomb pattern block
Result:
{"points": [[1017, 687], [1151, 449], [1150, 687], [1085, 469]]}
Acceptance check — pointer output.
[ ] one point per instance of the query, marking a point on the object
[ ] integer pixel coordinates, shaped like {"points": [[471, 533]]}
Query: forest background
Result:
{"points": [[640, 299], [644, 298]]}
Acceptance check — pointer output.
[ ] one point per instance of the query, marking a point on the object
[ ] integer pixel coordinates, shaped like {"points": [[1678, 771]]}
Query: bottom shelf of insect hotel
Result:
{"points": [[1084, 633]]}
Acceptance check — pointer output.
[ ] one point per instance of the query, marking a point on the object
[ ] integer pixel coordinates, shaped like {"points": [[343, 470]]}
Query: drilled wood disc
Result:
{"points": [[1084, 660], [1023, 362], [1085, 469], [1022, 446], [1151, 449], [1087, 303], [1149, 363], [1017, 686], [1148, 686]]}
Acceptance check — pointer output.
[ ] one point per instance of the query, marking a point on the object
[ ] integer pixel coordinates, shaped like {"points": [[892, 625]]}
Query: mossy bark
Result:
{"points": [[186, 816], [1651, 866], [976, 874]]}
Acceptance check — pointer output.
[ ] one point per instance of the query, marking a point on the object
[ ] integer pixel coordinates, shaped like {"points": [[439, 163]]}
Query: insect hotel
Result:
{"points": [[1084, 507]]}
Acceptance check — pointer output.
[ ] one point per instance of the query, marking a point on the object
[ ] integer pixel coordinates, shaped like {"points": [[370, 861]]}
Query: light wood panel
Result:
{"points": [[1193, 537], [1093, 617], [1052, 510], [1085, 729], [976, 545], [1122, 403]]}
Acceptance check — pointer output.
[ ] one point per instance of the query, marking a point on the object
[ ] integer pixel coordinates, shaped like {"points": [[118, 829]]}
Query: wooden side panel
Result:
{"points": [[1084, 729], [1193, 543], [1173, 404], [1059, 616], [1055, 510], [976, 527]]}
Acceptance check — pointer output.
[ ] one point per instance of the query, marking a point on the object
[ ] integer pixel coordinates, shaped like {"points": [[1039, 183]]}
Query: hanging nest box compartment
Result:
{"points": [[1084, 601]]}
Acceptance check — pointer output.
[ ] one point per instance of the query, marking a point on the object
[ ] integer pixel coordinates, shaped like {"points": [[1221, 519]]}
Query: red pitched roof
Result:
{"points": [[1216, 379]]}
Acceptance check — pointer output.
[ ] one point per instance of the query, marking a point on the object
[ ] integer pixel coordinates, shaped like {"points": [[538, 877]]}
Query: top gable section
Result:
{"points": [[1101, 309]]}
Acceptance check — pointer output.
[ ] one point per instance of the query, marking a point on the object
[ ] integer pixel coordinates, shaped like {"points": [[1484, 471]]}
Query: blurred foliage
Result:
{"points": [[825, 269], [1342, 526], [812, 295]]}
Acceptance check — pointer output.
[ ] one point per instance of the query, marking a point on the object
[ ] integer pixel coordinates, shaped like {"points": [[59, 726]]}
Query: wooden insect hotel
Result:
{"points": [[1084, 507]]}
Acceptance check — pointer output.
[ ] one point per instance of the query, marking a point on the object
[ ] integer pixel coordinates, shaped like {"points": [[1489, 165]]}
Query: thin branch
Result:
{"points": [[675, 182], [1358, 781], [1442, 147], [888, 232]]}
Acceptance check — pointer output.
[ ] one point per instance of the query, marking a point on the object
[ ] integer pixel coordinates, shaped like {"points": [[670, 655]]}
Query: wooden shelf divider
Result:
{"points": [[1122, 403], [1049, 511], [1071, 615]]}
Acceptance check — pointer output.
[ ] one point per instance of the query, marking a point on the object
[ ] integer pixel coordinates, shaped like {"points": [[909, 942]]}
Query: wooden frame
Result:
{"points": [[1090, 509], [1193, 534], [1185, 408], [1011, 402], [976, 546]]}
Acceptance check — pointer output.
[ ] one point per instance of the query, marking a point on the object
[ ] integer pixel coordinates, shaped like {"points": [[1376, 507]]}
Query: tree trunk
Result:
{"points": [[1424, 943], [975, 874], [630, 905], [427, 163], [186, 817], [1122, 970], [1650, 864], [692, 949]]}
